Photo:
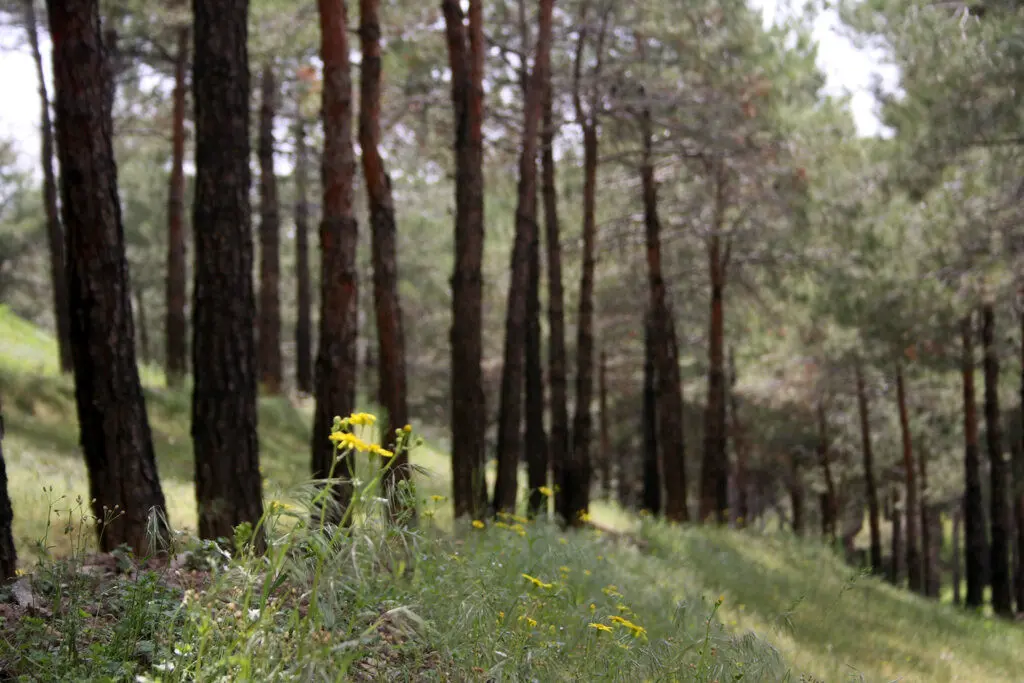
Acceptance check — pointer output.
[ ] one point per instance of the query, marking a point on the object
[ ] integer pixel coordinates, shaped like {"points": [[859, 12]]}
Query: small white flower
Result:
{"points": [[254, 615]]}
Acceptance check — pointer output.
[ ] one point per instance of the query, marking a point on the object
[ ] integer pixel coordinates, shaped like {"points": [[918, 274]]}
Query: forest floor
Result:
{"points": [[515, 601]]}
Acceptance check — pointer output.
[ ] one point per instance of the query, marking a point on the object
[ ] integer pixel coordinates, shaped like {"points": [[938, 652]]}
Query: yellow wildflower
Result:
{"points": [[477, 524], [382, 452], [593, 607], [545, 491], [362, 419], [584, 516], [637, 630], [537, 582], [601, 627], [563, 569], [586, 572], [407, 428], [438, 499], [530, 621]]}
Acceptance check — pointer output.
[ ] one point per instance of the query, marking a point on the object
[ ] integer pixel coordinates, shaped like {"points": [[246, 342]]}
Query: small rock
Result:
{"points": [[22, 592]]}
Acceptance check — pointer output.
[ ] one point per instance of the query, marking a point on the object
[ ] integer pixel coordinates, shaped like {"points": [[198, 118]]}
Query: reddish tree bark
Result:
{"points": [[384, 239], [469, 410], [115, 434], [558, 443], [270, 242], [669, 385], [931, 534], [975, 533], [224, 367], [513, 369], [54, 230], [304, 294], [176, 324], [867, 454], [999, 550], [336, 363]]}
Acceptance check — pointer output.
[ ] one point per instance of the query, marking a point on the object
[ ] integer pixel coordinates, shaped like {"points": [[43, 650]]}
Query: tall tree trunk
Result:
{"points": [[714, 490], [336, 362], [54, 231], [1018, 487], [670, 391], [651, 469], [1018, 516], [513, 369], [304, 293], [224, 415], [958, 517], [740, 445], [558, 443], [896, 561], [115, 433], [870, 488], [536, 439], [975, 533], [8, 554], [176, 347], [469, 410], [912, 515], [384, 241], [999, 562], [269, 339], [796, 495], [603, 425], [829, 507], [931, 534]]}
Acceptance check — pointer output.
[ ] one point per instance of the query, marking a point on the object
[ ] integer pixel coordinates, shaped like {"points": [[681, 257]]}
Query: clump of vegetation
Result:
{"points": [[367, 598]]}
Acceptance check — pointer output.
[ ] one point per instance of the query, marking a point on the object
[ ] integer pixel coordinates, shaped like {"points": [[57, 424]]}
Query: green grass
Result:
{"points": [[449, 602]]}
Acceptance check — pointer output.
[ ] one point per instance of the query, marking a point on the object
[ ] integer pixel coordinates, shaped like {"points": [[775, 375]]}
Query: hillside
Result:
{"points": [[699, 594]]}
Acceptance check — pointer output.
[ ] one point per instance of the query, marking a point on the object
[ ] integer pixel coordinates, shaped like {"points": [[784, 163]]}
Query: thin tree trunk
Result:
{"points": [[829, 508], [958, 518], [536, 439], [304, 293], [8, 553], [224, 415], [115, 432], [513, 369], [999, 562], [914, 574], [740, 445], [896, 561], [1018, 487], [336, 363], [176, 325], [54, 230], [670, 392], [384, 233], [930, 540], [270, 242], [870, 487], [651, 469], [975, 532], [796, 495], [714, 491], [558, 443], [603, 425], [469, 410]]}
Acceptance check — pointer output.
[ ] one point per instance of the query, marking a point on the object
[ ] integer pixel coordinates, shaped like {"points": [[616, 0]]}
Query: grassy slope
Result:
{"points": [[824, 619]]}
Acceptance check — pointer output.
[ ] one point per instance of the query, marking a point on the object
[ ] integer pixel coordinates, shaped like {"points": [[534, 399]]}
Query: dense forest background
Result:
{"points": [[631, 248]]}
